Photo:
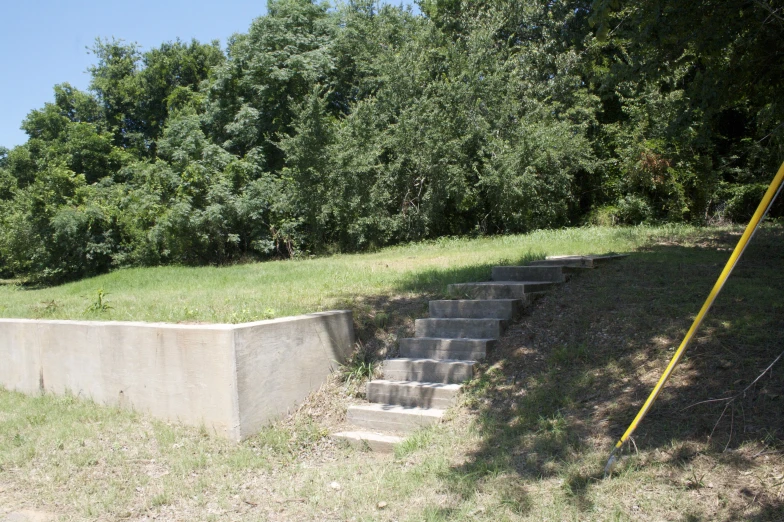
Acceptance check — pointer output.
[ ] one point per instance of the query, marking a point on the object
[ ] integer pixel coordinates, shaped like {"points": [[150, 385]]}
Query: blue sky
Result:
{"points": [[43, 42]]}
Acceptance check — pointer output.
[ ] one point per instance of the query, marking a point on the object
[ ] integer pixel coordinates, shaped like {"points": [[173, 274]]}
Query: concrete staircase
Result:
{"points": [[424, 381]]}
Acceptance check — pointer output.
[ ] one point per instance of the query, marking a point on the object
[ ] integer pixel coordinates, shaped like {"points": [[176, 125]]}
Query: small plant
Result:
{"points": [[420, 439], [381, 320], [569, 354], [361, 365], [161, 499], [695, 482], [99, 305], [44, 308], [243, 316]]}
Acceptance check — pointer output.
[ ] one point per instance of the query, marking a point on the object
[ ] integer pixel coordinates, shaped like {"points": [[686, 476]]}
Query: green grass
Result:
{"points": [[528, 440], [249, 292]]}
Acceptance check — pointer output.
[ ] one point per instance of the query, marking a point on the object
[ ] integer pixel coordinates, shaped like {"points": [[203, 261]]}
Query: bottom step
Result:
{"points": [[368, 440]]}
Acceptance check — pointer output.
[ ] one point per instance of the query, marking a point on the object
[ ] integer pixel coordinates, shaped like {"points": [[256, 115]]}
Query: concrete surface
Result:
{"points": [[428, 370], [476, 308], [499, 289], [279, 362], [232, 379], [432, 348], [460, 328], [418, 386], [412, 393], [528, 273], [577, 261], [377, 442], [392, 418]]}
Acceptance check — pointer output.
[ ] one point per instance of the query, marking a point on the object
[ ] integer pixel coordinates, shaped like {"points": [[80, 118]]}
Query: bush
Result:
{"points": [[633, 210], [741, 201]]}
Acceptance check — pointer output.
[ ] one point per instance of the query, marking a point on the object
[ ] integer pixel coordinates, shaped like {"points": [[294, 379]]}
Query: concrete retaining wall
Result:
{"points": [[233, 379]]}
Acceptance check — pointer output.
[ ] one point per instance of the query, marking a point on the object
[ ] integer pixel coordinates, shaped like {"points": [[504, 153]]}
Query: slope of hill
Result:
{"points": [[528, 439]]}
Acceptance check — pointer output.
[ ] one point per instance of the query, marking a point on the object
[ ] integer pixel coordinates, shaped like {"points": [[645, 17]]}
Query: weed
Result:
{"points": [[360, 366], [569, 354], [161, 499], [99, 304], [279, 441], [552, 435], [244, 315], [274, 439], [381, 320], [513, 495], [694, 481], [415, 441]]}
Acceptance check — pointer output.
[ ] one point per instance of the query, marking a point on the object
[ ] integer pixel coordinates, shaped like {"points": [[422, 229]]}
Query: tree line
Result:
{"points": [[336, 128]]}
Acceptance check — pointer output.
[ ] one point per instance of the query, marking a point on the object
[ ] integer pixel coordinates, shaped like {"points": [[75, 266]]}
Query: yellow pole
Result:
{"points": [[762, 209]]}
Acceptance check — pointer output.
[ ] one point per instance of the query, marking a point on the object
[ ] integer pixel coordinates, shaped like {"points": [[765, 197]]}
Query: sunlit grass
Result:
{"points": [[255, 291]]}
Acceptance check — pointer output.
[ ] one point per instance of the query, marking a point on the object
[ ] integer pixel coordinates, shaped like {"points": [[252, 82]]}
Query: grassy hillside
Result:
{"points": [[530, 435], [256, 291]]}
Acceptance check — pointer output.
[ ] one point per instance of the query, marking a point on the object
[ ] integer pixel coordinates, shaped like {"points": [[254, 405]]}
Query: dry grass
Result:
{"points": [[528, 441]]}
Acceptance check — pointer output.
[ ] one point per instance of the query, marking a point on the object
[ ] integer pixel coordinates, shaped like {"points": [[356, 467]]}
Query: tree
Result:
{"points": [[251, 97], [136, 90]]}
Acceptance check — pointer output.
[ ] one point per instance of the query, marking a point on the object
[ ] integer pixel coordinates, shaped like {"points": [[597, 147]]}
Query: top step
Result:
{"points": [[577, 261]]}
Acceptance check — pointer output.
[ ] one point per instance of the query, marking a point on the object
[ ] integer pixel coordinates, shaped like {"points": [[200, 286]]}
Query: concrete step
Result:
{"points": [[440, 349], [552, 274], [392, 418], [498, 289], [428, 370], [413, 393], [476, 308], [577, 261], [380, 442], [460, 328]]}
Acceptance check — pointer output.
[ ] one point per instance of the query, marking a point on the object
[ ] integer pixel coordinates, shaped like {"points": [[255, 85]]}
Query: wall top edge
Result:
{"points": [[293, 318], [181, 326]]}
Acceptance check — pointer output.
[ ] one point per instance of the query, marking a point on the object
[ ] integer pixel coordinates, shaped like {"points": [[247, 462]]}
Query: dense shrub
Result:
{"points": [[324, 130]]}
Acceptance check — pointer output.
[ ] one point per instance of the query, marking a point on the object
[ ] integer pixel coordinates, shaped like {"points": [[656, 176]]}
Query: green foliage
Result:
{"points": [[741, 201], [325, 130], [360, 366], [99, 304], [702, 103]]}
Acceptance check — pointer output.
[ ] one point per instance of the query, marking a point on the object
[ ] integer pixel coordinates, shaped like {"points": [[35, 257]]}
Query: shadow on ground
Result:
{"points": [[380, 320], [566, 381]]}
